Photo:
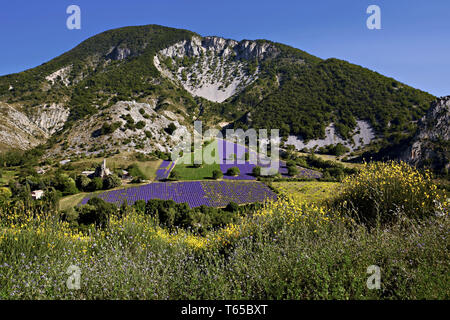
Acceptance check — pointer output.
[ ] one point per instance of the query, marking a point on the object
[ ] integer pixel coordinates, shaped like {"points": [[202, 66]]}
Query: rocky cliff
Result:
{"points": [[430, 146], [213, 68]]}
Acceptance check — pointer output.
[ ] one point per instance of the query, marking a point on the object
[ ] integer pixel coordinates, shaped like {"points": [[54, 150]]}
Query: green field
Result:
{"points": [[309, 191], [186, 169]]}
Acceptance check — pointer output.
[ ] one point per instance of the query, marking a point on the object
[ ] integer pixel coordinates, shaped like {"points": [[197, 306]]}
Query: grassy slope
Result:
{"points": [[309, 191]]}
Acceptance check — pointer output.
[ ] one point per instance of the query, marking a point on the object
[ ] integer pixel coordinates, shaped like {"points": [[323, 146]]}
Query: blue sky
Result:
{"points": [[413, 45]]}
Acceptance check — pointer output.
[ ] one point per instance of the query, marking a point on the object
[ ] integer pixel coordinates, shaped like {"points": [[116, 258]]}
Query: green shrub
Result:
{"points": [[135, 171], [232, 207], [97, 212], [82, 182], [95, 184], [109, 128], [292, 170], [233, 171], [111, 181], [256, 171], [5, 194], [171, 128], [217, 174], [175, 175], [140, 124]]}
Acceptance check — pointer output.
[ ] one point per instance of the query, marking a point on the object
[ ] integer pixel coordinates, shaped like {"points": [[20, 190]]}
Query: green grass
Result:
{"points": [[71, 201], [186, 170], [309, 191]]}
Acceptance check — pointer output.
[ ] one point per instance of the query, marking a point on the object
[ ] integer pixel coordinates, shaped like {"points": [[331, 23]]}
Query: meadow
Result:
{"points": [[310, 191], [290, 248]]}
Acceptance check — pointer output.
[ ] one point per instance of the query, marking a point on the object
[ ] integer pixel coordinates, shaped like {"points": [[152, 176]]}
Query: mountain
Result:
{"points": [[121, 90], [430, 146]]}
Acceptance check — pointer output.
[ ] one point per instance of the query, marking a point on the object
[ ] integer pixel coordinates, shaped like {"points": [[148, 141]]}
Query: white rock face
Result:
{"points": [[362, 136], [17, 130], [62, 73], [50, 118], [85, 136], [212, 67]]}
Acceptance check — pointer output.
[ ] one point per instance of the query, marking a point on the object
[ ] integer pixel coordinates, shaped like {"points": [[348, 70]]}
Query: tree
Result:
{"points": [[256, 171], [233, 171], [111, 181], [175, 175], [171, 128], [97, 212], [217, 174], [292, 170], [82, 182], [232, 207], [95, 184], [69, 187]]}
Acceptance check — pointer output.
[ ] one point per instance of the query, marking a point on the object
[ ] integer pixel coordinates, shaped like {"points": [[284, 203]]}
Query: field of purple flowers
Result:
{"points": [[233, 155], [194, 193], [164, 170]]}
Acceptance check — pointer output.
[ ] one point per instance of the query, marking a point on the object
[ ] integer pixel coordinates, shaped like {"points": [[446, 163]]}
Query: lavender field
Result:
{"points": [[194, 193], [229, 149], [164, 170]]}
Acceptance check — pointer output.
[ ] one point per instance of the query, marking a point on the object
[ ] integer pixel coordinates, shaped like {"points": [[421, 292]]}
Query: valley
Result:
{"points": [[87, 176]]}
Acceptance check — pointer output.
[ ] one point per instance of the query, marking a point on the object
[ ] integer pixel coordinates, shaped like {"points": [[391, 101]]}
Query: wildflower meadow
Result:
{"points": [[287, 248]]}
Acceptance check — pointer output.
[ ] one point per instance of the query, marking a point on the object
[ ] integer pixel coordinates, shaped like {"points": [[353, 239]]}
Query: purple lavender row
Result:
{"points": [[194, 193], [164, 170]]}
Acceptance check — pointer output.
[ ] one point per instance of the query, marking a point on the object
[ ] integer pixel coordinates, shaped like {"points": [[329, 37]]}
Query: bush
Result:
{"points": [[109, 128], [256, 171], [97, 212], [95, 184], [175, 175], [232, 207], [171, 128], [65, 184], [111, 181], [217, 174], [233, 171], [382, 192], [82, 182], [135, 171], [292, 170], [140, 124], [5, 194]]}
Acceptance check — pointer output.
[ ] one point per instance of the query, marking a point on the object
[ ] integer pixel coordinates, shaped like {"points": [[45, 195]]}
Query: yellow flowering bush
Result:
{"points": [[382, 191]]}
